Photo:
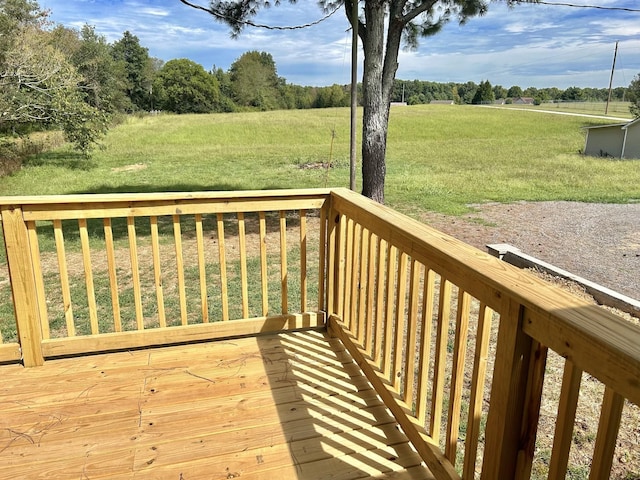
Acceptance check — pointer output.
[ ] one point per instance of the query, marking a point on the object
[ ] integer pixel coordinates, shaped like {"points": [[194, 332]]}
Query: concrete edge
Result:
{"points": [[602, 295]]}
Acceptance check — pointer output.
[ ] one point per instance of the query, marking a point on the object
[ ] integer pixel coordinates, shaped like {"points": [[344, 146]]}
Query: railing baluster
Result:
{"points": [[425, 344], [202, 269], [264, 275], [412, 333], [348, 273], [322, 260], [398, 369], [442, 337], [565, 420], [88, 275], [242, 243], [135, 272], [457, 374], [608, 427], [223, 268], [113, 276], [34, 247], [383, 257], [354, 272], [64, 278], [368, 313], [362, 286], [157, 270], [177, 235], [483, 334], [284, 287], [387, 367], [303, 260]]}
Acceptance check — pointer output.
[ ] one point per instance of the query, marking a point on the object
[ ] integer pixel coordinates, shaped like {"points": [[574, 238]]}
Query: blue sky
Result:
{"points": [[529, 45]]}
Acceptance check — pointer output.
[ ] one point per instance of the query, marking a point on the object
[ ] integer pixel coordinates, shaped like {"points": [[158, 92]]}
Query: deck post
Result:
{"points": [[23, 285], [508, 433]]}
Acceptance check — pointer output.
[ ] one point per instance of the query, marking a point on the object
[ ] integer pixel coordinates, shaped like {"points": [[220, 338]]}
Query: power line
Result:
{"points": [[220, 15], [597, 7]]}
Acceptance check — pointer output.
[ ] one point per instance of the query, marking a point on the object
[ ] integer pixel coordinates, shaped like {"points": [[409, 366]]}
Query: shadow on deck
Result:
{"points": [[293, 405]]}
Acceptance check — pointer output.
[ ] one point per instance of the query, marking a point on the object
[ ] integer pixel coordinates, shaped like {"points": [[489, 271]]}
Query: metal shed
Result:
{"points": [[620, 140]]}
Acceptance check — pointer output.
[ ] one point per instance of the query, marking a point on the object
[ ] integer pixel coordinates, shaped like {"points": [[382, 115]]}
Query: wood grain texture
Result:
{"points": [[276, 406]]}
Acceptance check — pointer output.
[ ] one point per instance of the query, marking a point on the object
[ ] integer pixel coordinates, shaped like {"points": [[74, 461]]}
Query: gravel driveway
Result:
{"points": [[600, 242]]}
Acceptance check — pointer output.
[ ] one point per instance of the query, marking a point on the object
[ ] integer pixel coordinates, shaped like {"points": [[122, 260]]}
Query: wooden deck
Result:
{"points": [[277, 406]]}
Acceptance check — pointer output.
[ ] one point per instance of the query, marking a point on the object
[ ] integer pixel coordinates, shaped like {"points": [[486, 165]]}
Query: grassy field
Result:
{"points": [[440, 158]]}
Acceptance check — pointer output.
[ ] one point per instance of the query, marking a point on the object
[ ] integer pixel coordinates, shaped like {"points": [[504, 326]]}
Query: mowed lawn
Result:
{"points": [[439, 158]]}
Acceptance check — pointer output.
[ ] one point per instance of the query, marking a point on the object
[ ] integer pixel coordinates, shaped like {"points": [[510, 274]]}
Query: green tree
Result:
{"points": [[515, 92], [484, 94], [255, 82], [139, 68], [183, 86], [499, 91], [382, 26], [633, 94], [39, 86]]}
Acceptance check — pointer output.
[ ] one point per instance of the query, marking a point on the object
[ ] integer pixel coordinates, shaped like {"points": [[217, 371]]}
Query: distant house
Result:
{"points": [[441, 102], [522, 101], [619, 140]]}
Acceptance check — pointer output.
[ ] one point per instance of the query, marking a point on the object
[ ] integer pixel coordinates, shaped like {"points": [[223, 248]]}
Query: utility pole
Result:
{"points": [[354, 95], [615, 54]]}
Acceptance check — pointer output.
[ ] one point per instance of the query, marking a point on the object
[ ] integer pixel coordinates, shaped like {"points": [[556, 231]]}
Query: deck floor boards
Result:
{"points": [[292, 405]]}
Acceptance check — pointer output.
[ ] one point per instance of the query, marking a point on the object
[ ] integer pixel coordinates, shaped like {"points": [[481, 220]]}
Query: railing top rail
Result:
{"points": [[599, 342], [106, 198]]}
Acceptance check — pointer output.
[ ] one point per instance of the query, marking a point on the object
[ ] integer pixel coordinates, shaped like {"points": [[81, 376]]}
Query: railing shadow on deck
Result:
{"points": [[473, 357]]}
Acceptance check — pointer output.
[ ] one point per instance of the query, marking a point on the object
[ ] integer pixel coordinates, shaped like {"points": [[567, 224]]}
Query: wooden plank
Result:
{"points": [[182, 294], [429, 452], [348, 273], [202, 270], [157, 271], [135, 272], [322, 261], [223, 268], [508, 395], [597, 341], [113, 276], [240, 196], [531, 414], [478, 377], [378, 355], [425, 344], [140, 208], [244, 286], [303, 261], [10, 352], [565, 420], [362, 318], [412, 364], [610, 415], [457, 375], [442, 337], [37, 272], [179, 334], [284, 281], [369, 333], [400, 324], [88, 275], [64, 278], [353, 276], [264, 278], [387, 367]]}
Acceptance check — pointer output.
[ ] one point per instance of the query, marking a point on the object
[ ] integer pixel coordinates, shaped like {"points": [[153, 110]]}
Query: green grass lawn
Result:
{"points": [[439, 158]]}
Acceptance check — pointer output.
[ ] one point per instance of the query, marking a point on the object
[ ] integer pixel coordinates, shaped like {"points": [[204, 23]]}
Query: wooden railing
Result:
{"points": [[100, 272], [444, 331], [464, 349]]}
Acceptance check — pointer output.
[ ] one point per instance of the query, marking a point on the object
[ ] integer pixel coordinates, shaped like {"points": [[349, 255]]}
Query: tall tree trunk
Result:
{"points": [[380, 65]]}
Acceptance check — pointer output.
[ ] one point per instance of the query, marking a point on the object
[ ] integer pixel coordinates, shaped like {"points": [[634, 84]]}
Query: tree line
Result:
{"points": [[53, 76]]}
